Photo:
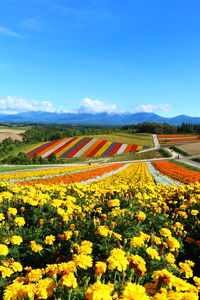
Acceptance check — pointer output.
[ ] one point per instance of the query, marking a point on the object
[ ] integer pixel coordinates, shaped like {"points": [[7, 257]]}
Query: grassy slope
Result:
{"points": [[16, 127], [20, 149], [136, 156], [127, 138], [10, 168]]}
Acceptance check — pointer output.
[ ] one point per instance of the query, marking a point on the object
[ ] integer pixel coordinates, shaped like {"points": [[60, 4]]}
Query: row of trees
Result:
{"points": [[162, 128], [23, 159], [55, 132]]}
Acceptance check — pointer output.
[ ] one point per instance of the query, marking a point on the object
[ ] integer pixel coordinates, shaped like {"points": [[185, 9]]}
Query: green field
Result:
{"points": [[136, 156], [16, 168], [127, 138], [16, 127]]}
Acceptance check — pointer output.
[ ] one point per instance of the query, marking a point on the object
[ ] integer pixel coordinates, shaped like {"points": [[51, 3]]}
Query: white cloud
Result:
{"points": [[153, 108], [12, 105], [9, 32], [95, 106]]}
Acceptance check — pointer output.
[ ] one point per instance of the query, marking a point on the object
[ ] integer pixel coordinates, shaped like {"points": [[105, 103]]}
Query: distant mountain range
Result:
{"points": [[113, 119]]}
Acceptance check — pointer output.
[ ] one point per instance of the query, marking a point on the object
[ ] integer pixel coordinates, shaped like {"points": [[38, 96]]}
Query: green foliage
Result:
{"points": [[165, 153], [162, 128], [43, 133], [196, 159]]}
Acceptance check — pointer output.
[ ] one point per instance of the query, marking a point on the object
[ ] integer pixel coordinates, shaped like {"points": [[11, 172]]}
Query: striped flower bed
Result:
{"points": [[75, 177], [81, 147], [177, 138], [176, 172]]}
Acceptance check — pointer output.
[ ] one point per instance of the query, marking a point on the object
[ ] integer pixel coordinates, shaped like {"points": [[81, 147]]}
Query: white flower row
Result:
{"points": [[160, 178]]}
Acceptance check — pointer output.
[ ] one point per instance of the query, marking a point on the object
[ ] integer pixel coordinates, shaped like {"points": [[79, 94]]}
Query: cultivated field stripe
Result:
{"points": [[99, 144], [78, 146], [62, 148], [36, 150], [91, 148], [34, 147], [84, 148], [121, 149], [69, 148], [57, 146], [45, 149], [127, 149], [99, 153], [115, 149], [105, 153]]}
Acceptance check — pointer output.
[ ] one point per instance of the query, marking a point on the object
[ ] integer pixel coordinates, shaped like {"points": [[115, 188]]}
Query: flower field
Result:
{"points": [[176, 172], [133, 235], [177, 139], [81, 147]]}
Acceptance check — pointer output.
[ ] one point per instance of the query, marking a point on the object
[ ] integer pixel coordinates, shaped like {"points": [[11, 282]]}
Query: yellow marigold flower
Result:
{"points": [[5, 271], [194, 212], [197, 281], [103, 230], [153, 253], [113, 203], [34, 275], [49, 239], [117, 259], [134, 291], [181, 285], [2, 217], [16, 240], [140, 216], [3, 249], [45, 288], [99, 291], [66, 235], [137, 262], [137, 241], [51, 269], [100, 268], [68, 280], [19, 221], [185, 268], [172, 243], [13, 291], [117, 235], [83, 261], [156, 240], [72, 226], [16, 266], [12, 211], [165, 232], [143, 235], [67, 267], [163, 276], [161, 296], [35, 247], [170, 259], [85, 247]]}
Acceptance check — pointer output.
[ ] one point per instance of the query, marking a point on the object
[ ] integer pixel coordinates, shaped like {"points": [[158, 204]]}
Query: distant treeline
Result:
{"points": [[162, 128], [55, 132]]}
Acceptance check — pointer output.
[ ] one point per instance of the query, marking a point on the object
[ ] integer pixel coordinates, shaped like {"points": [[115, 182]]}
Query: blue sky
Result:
{"points": [[100, 55]]}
